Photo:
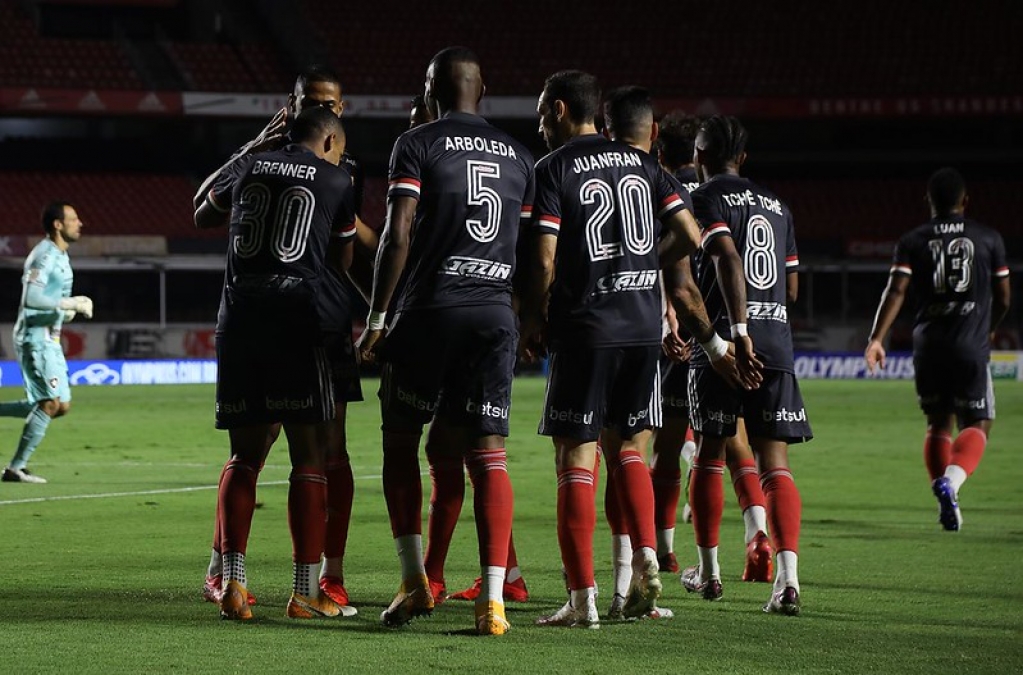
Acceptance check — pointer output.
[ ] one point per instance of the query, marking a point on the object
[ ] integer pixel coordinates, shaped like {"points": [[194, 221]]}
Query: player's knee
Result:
{"points": [[51, 407], [64, 408]]}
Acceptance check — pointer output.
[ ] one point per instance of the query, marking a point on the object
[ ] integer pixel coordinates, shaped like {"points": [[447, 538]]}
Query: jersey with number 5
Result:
{"points": [[285, 206], [761, 226], [474, 185], [953, 263], [604, 201]]}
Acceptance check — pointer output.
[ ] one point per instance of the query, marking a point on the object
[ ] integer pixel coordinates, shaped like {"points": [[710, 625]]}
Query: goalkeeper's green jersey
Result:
{"points": [[47, 279]]}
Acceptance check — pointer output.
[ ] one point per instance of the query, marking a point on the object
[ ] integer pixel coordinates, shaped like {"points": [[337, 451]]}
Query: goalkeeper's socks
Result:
{"points": [[16, 408], [31, 436]]}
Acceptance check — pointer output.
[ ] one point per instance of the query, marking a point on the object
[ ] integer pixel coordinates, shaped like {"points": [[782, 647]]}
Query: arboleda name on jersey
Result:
{"points": [[633, 280], [463, 266], [477, 144], [605, 160]]}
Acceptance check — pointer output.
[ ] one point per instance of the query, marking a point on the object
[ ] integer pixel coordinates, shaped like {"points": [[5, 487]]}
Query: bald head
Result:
{"points": [[454, 81]]}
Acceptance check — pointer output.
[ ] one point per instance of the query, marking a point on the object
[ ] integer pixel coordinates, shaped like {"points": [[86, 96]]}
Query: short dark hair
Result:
{"points": [[580, 92], [676, 137], [53, 211], [315, 123], [417, 101], [726, 139], [627, 109], [945, 188], [455, 54], [317, 72]]}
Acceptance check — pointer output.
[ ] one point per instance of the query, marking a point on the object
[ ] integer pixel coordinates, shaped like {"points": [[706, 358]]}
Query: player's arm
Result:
{"points": [[44, 309], [681, 238], [271, 136], [791, 263], [791, 287], [390, 261], [365, 247], [209, 215], [732, 282], [536, 285], [891, 302]]}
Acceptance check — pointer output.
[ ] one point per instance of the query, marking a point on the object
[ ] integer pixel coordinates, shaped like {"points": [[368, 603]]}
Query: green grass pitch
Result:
{"points": [[101, 568]]}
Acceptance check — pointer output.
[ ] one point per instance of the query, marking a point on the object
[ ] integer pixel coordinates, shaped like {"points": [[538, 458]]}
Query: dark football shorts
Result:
{"points": [[263, 381], [675, 389], [775, 410], [456, 363], [592, 388], [344, 367], [947, 384]]}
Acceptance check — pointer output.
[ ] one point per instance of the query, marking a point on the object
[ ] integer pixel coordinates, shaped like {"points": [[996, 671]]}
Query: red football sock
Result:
{"points": [[493, 503], [216, 519], [236, 501], [636, 499], [340, 495], [448, 493], [307, 514], [937, 451], [612, 504], [784, 509], [666, 477], [746, 481], [968, 448], [403, 489], [707, 500], [513, 559], [577, 518]]}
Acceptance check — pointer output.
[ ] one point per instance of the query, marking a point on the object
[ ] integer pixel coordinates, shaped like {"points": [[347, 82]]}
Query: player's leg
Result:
{"points": [[572, 416], [975, 411], [340, 497], [447, 478], [714, 411], [771, 434], [236, 503], [746, 481], [666, 476], [621, 542], [45, 373]]}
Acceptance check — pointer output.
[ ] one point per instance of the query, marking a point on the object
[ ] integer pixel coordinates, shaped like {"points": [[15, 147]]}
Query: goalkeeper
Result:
{"points": [[46, 305]]}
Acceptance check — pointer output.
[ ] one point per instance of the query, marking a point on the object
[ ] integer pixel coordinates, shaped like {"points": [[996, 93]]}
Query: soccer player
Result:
{"points": [[318, 86], [450, 346], [675, 144], [958, 271], [46, 305], [735, 212], [447, 481], [285, 209], [598, 215]]}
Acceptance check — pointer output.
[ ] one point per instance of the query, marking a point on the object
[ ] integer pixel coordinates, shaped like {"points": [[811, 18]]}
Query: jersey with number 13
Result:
{"points": [[953, 263], [474, 185]]}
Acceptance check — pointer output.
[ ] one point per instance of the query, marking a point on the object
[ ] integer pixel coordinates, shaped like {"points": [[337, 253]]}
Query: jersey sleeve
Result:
{"points": [[791, 252], [37, 274], [708, 213], [528, 196], [404, 174], [999, 262], [546, 210], [901, 261], [344, 220], [219, 196], [671, 196]]}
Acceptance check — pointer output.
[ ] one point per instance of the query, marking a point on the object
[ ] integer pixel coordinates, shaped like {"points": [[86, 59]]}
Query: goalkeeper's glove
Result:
{"points": [[69, 315], [81, 304]]}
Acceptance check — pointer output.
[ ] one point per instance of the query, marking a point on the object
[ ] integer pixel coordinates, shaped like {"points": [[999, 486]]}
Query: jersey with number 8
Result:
{"points": [[953, 263], [474, 184], [761, 226]]}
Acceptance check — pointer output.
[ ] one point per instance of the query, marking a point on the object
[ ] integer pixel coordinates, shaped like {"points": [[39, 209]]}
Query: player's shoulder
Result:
{"points": [[981, 229], [43, 252], [774, 203]]}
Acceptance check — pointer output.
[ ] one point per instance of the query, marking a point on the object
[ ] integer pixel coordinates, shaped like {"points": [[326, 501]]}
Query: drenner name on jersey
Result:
{"points": [[477, 144]]}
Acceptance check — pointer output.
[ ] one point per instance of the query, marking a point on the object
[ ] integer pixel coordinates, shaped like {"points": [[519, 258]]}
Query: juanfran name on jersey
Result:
{"points": [[605, 160]]}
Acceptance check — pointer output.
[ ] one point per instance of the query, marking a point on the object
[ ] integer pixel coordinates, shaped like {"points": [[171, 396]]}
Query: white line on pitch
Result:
{"points": [[139, 493]]}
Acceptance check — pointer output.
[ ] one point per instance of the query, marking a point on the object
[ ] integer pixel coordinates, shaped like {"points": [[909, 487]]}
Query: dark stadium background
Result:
{"points": [[850, 106]]}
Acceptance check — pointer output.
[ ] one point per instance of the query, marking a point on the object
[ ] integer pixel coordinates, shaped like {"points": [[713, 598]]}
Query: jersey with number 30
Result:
{"points": [[285, 205], [474, 184], [604, 200], [761, 225], [953, 263]]}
